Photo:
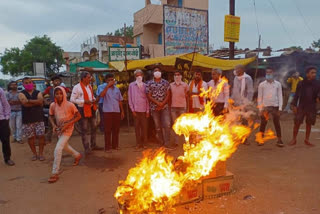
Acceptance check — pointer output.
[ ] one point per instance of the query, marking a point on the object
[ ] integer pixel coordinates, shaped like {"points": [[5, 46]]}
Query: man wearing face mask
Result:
{"points": [[112, 113], [196, 87], [179, 95], [139, 105], [242, 91], [158, 95], [32, 117], [270, 102]]}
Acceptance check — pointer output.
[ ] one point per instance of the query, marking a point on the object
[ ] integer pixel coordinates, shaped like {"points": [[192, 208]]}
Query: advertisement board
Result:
{"points": [[231, 28], [185, 30], [118, 53]]}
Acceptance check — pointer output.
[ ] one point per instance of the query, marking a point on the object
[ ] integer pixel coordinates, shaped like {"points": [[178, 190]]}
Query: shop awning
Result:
{"points": [[199, 61], [89, 64]]}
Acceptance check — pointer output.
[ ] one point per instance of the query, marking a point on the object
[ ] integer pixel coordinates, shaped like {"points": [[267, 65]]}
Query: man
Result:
{"points": [[5, 128], [113, 113], [270, 102], [56, 81], [242, 91], [32, 117], [82, 95], [100, 103], [139, 105], [293, 80], [306, 95], [16, 114], [196, 87], [158, 94], [219, 93], [179, 96]]}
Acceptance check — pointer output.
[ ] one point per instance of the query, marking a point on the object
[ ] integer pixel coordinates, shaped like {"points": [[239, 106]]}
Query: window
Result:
{"points": [[180, 3], [160, 38], [138, 41]]}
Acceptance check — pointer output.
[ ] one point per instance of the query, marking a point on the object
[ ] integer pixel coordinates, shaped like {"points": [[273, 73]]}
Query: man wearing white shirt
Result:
{"points": [[219, 93], [82, 95], [196, 87], [270, 101]]}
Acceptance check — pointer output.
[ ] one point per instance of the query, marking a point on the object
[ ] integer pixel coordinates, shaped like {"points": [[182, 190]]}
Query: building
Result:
{"points": [[96, 48], [148, 24], [71, 57]]}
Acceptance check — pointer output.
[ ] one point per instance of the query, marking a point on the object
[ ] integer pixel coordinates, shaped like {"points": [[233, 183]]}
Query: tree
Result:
{"points": [[120, 32], [3, 83], [39, 49], [296, 48], [316, 44]]}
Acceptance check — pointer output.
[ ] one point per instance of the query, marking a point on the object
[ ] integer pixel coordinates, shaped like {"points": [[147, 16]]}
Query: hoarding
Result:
{"points": [[231, 28], [185, 30], [118, 53]]}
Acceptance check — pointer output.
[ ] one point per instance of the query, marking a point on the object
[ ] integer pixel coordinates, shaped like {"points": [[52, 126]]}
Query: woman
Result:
{"points": [[63, 115]]}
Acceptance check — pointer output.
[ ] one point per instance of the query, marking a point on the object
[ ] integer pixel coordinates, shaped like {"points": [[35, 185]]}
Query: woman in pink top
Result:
{"points": [[63, 115]]}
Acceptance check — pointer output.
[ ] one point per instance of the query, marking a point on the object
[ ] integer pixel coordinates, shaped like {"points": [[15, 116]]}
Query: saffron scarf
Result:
{"points": [[87, 107], [201, 100]]}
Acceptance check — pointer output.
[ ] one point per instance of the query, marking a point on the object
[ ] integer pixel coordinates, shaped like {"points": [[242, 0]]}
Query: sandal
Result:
{"points": [[34, 158], [307, 142], [54, 178], [77, 160], [41, 158]]}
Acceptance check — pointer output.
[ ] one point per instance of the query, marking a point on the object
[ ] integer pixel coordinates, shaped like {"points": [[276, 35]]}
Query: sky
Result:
{"points": [[281, 23]]}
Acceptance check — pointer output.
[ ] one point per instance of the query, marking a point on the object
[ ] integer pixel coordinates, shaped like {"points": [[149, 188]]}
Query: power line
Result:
{"points": [[282, 23], [255, 13], [304, 19]]}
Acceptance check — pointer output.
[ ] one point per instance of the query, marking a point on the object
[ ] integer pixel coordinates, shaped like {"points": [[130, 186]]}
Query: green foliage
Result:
{"points": [[120, 32], [39, 49], [296, 48], [3, 83], [316, 44]]}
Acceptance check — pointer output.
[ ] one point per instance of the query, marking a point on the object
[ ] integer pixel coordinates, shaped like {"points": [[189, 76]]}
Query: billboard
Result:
{"points": [[182, 27], [231, 28], [118, 53]]}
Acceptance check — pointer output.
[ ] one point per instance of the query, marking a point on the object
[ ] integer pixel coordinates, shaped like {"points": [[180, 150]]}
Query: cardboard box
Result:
{"points": [[216, 187], [190, 192], [219, 170]]}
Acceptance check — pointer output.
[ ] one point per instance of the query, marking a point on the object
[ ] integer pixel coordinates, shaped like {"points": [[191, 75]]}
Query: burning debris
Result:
{"points": [[156, 183]]}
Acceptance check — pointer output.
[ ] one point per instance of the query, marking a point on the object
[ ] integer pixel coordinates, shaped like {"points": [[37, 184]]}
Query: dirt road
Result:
{"points": [[280, 180]]}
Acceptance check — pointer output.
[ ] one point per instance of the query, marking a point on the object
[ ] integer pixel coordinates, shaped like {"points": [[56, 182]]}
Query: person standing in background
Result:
{"points": [[196, 87], [5, 129], [293, 80], [100, 103], [16, 114], [179, 96], [139, 105]]}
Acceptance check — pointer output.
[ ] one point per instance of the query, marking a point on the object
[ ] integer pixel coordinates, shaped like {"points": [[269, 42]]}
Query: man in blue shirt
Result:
{"points": [[98, 92], [112, 112]]}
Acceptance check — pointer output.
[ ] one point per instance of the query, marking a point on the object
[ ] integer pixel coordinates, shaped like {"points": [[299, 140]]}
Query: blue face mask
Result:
{"points": [[269, 77]]}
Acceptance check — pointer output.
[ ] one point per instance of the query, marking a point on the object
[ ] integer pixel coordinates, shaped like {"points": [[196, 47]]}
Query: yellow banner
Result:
{"points": [[231, 28]]}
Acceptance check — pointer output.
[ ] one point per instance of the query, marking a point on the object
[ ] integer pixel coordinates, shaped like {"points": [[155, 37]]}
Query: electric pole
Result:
{"points": [[231, 44]]}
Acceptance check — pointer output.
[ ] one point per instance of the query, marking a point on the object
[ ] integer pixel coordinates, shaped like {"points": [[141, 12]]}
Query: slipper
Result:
{"points": [[41, 158], [77, 160], [34, 158], [54, 178]]}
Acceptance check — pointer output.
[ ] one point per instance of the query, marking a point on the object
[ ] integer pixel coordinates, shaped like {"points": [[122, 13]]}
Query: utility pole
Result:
{"points": [[257, 60], [232, 6], [126, 69]]}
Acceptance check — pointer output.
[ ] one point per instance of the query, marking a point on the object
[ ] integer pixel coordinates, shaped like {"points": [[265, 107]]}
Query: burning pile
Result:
{"points": [[154, 184]]}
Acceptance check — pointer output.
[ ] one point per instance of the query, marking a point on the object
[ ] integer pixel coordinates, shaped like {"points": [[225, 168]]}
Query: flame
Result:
{"points": [[157, 179]]}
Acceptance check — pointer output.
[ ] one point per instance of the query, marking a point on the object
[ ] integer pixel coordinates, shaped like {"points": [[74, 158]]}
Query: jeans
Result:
{"points": [[111, 128], [85, 123], [62, 144], [175, 113], [162, 122], [290, 99], [16, 124], [274, 111], [101, 125], [141, 128], [5, 139]]}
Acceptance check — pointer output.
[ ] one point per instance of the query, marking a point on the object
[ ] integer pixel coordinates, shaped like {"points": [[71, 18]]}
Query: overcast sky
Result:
{"points": [[70, 22]]}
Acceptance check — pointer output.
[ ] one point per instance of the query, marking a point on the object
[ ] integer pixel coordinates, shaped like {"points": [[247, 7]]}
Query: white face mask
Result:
{"points": [[177, 79], [157, 74], [139, 79]]}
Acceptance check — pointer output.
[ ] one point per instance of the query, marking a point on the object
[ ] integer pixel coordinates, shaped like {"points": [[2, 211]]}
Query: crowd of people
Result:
{"points": [[22, 112]]}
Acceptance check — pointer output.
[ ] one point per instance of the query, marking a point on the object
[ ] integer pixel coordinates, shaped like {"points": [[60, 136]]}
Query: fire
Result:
{"points": [[156, 181]]}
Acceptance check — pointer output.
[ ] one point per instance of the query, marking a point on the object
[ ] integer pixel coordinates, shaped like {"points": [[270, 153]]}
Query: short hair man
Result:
{"points": [[196, 87], [112, 113], [306, 95], [270, 102], [293, 80], [219, 93], [32, 117], [242, 91], [98, 92], [139, 105], [82, 95], [179, 96]]}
